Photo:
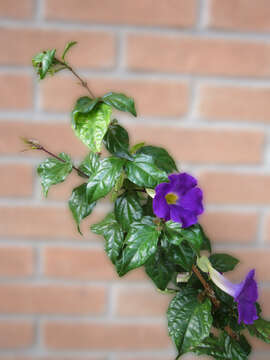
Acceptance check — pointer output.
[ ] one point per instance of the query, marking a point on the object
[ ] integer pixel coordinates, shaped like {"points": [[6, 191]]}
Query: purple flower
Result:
{"points": [[245, 294], [179, 200]]}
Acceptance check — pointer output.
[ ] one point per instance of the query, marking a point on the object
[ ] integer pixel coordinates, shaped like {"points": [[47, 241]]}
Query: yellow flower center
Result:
{"points": [[171, 198]]}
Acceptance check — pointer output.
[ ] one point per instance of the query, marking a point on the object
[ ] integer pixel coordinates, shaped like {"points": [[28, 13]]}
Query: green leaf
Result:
{"points": [[189, 321], [182, 255], [90, 164], [194, 237], [160, 157], [224, 347], [53, 171], [128, 209], [116, 141], [84, 105], [43, 61], [79, 206], [113, 234], [136, 147], [104, 178], [206, 244], [140, 244], [120, 102], [173, 232], [261, 329], [159, 269], [92, 126], [144, 173], [67, 48], [223, 262]]}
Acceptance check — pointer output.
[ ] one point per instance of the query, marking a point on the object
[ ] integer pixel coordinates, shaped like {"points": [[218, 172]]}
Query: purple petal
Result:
{"points": [[247, 312], [160, 206], [192, 201], [248, 289], [183, 216], [181, 183]]}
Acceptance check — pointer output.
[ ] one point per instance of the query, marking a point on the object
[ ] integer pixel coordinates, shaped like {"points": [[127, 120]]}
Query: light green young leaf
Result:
{"points": [[91, 127], [43, 61], [67, 48], [53, 171]]}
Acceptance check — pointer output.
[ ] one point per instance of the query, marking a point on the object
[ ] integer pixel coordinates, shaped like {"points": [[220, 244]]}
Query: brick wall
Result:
{"points": [[199, 71]]}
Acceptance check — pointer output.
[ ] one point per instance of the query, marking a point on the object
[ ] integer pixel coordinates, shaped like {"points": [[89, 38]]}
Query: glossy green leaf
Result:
{"points": [[173, 232], [223, 262], [224, 347], [102, 181], [206, 244], [140, 243], [84, 105], [194, 237], [159, 269], [189, 321], [144, 173], [116, 141], [43, 61], [90, 164], [128, 209], [91, 127], [112, 232], [183, 255], [79, 206], [261, 329], [53, 171], [67, 48], [120, 102], [160, 157]]}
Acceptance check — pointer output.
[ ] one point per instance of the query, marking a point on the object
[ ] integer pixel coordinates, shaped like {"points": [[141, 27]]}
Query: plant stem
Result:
{"points": [[83, 82], [36, 146], [210, 292]]}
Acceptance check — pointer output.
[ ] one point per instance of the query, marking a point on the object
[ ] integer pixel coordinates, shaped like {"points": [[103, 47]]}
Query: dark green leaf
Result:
{"points": [[113, 234], [127, 209], [90, 164], [261, 329], [91, 127], [194, 237], [104, 178], [189, 321], [173, 232], [79, 206], [159, 269], [140, 244], [224, 347], [148, 207], [206, 244], [116, 141], [120, 102], [182, 255], [144, 173], [84, 105], [160, 157], [53, 171], [43, 61], [67, 48], [223, 262]]}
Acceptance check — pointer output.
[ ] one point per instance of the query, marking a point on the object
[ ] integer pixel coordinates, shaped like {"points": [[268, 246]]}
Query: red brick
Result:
{"points": [[16, 261], [235, 188], [240, 15], [60, 335], [234, 103], [141, 12], [257, 259], [52, 299], [140, 301], [20, 45], [146, 93], [191, 55], [24, 357], [16, 180], [197, 145], [267, 228], [42, 222], [82, 264], [22, 9], [16, 335], [55, 137], [16, 91], [233, 227]]}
